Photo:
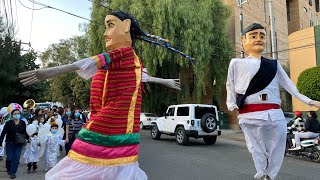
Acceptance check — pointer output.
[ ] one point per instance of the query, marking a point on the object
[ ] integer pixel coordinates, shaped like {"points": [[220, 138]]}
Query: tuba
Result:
{"points": [[30, 103]]}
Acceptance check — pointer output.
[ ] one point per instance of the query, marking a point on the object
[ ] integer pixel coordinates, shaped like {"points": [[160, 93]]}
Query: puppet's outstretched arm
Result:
{"points": [[35, 76], [170, 83]]}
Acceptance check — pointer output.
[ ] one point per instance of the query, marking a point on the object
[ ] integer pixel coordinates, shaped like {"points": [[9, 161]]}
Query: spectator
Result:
{"points": [[73, 126], [312, 129], [38, 114], [13, 129]]}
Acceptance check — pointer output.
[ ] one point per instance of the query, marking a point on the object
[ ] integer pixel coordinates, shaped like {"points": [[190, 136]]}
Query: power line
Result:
{"points": [[29, 7], [17, 21], [5, 10], [50, 7], [11, 11], [31, 22]]}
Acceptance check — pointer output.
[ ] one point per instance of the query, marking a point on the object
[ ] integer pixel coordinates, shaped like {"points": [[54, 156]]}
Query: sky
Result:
{"points": [[48, 25]]}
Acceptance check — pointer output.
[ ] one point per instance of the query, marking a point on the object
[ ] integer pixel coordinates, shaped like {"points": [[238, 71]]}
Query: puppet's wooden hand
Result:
{"points": [[31, 77], [170, 83], [315, 103]]}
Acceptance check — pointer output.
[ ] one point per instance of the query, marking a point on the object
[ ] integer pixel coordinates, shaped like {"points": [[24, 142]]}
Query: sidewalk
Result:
{"points": [[233, 134]]}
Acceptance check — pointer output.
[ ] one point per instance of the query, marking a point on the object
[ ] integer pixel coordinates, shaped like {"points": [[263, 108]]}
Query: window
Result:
{"points": [[171, 111], [288, 10], [310, 17], [317, 5], [310, 2], [183, 111], [150, 115], [200, 111]]}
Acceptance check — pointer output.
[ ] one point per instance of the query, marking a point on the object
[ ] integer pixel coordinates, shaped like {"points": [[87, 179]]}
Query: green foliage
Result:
{"points": [[9, 59], [36, 91], [309, 83], [69, 89], [197, 28], [11, 64]]}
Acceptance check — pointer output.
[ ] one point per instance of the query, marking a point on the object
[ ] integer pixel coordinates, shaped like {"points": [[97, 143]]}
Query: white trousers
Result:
{"points": [[266, 141], [299, 135]]}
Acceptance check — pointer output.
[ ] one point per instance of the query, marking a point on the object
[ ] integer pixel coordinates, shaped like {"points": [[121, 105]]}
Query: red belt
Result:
{"points": [[257, 107]]}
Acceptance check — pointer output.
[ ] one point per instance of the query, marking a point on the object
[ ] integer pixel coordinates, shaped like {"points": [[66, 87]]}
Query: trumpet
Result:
{"points": [[30, 103]]}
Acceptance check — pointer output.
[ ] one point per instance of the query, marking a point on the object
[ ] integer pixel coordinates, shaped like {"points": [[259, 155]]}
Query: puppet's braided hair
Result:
{"points": [[137, 33]]}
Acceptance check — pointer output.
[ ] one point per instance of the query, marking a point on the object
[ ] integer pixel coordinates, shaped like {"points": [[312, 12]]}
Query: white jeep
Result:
{"points": [[188, 120]]}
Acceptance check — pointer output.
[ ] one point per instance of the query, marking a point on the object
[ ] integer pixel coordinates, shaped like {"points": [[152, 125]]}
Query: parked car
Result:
{"points": [[188, 120], [146, 118]]}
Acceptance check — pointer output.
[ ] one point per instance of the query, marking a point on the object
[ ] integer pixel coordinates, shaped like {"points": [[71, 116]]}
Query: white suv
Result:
{"points": [[146, 118], [188, 120]]}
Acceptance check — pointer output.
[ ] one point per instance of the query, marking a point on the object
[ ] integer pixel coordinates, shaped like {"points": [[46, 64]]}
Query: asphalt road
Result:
{"points": [[226, 160]]}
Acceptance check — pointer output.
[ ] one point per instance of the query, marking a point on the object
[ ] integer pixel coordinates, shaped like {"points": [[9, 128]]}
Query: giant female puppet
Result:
{"points": [[107, 146], [253, 88]]}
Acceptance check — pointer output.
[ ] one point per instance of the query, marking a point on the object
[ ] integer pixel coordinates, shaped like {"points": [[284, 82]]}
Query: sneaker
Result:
{"points": [[265, 177], [13, 176], [295, 149]]}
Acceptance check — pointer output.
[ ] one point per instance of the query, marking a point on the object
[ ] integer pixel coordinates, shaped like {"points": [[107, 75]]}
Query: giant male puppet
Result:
{"points": [[253, 88], [107, 146]]}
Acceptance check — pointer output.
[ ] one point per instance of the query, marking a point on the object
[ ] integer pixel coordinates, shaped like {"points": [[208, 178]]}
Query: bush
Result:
{"points": [[309, 83]]}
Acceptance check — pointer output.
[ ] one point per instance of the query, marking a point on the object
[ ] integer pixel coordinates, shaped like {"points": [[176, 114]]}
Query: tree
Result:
{"points": [[9, 58], [309, 83], [195, 27], [37, 91], [69, 89], [12, 62]]}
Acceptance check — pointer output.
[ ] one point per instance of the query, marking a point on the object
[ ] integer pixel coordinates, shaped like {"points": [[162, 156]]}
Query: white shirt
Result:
{"points": [[240, 73]]}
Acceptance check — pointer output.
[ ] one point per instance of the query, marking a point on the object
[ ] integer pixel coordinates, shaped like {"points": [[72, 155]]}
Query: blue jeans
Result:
{"points": [[13, 156]]}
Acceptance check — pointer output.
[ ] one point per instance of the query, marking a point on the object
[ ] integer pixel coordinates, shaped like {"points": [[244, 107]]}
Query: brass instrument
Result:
{"points": [[30, 103]]}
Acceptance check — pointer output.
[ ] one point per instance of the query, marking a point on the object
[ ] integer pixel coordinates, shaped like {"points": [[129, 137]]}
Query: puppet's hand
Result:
{"points": [[315, 103], [35, 76], [171, 83]]}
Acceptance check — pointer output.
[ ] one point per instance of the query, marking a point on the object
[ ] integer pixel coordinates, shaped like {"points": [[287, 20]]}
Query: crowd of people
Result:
{"points": [[54, 129]]}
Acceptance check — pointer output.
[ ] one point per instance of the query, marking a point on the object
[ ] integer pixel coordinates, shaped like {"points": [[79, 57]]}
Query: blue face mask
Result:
{"points": [[68, 113], [16, 116], [76, 114], [54, 131]]}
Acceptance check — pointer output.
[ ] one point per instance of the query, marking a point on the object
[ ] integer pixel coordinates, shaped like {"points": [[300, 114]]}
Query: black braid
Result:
{"points": [[137, 33]]}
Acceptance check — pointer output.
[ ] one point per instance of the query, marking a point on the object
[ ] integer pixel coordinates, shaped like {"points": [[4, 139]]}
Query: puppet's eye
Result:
{"points": [[110, 25], [262, 37], [253, 36]]}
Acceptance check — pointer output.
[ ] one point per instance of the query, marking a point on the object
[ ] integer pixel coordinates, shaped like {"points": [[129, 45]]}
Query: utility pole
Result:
{"points": [[240, 3], [273, 33]]}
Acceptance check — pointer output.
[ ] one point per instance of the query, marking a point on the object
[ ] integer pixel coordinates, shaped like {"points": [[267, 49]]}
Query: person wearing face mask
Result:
{"points": [[73, 126], [12, 130], [52, 140]]}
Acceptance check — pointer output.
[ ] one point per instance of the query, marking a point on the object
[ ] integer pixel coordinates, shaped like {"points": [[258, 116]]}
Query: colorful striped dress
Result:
{"points": [[107, 147]]}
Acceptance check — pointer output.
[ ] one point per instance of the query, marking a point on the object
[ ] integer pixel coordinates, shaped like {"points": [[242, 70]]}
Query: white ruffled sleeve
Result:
{"points": [[88, 67]]}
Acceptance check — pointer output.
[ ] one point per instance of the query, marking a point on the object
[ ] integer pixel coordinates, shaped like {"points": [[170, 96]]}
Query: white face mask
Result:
{"points": [[16, 116]]}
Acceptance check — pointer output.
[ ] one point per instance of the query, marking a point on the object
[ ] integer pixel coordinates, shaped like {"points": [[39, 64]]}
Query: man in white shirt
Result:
{"points": [[260, 115]]}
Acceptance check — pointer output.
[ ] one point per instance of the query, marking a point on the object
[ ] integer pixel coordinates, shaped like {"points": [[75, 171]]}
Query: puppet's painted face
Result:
{"points": [[117, 32], [254, 41]]}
